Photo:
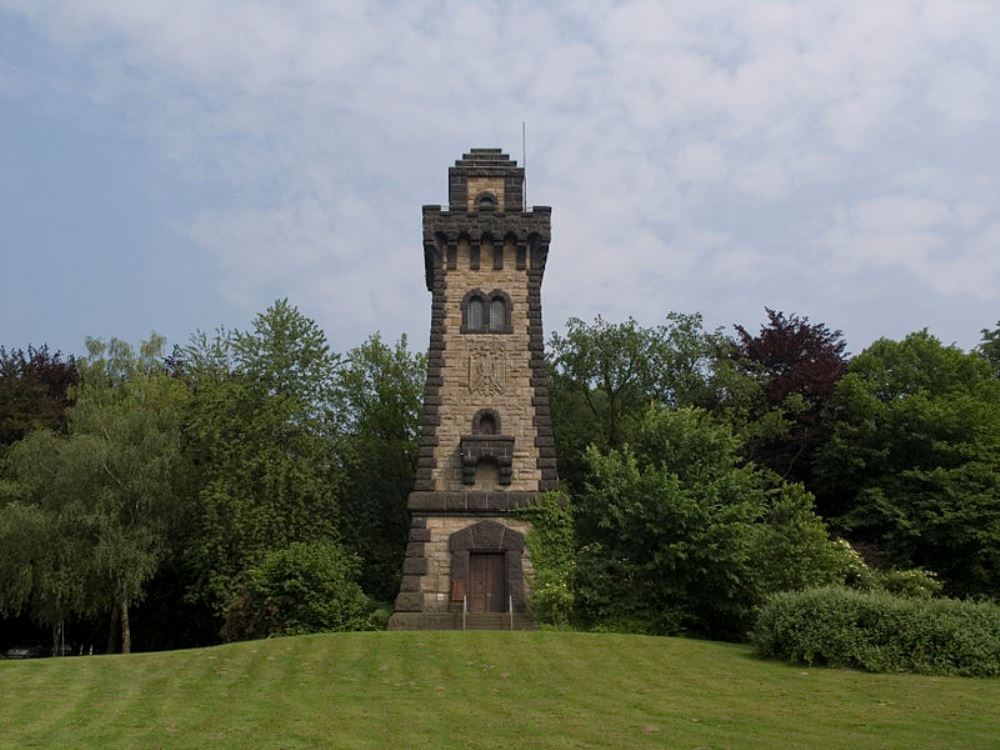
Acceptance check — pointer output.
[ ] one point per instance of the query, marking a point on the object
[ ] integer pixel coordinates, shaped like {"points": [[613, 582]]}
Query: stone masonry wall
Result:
{"points": [[508, 351], [435, 586]]}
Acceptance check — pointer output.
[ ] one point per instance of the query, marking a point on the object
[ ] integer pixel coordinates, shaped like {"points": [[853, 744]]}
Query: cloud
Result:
{"points": [[698, 155]]}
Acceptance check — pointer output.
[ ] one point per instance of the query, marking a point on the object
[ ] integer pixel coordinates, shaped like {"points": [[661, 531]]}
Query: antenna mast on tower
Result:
{"points": [[524, 166]]}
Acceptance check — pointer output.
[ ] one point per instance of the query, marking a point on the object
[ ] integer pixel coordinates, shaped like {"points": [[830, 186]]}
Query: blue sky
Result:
{"points": [[174, 166]]}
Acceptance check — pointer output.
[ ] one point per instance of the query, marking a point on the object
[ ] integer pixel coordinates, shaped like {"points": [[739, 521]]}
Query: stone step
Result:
{"points": [[453, 621], [497, 621]]}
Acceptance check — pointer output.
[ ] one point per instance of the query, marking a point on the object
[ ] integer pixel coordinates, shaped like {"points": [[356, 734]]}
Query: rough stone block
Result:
{"points": [[415, 566], [410, 601]]}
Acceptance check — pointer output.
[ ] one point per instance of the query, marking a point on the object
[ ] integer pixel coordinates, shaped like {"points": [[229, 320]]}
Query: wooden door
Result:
{"points": [[487, 582]]}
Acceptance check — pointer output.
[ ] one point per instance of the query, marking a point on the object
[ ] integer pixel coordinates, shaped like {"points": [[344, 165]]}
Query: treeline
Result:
{"points": [[160, 495], [710, 471], [254, 482]]}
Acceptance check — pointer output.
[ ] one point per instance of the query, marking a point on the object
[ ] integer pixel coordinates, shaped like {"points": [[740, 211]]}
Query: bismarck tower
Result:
{"points": [[486, 444]]}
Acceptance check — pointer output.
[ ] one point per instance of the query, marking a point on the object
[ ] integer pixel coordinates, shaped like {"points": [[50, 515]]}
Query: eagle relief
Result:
{"points": [[489, 368]]}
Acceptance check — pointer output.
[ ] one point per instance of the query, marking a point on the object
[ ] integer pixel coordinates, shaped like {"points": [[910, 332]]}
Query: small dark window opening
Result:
{"points": [[487, 425], [498, 314], [476, 314], [486, 422], [486, 201]]}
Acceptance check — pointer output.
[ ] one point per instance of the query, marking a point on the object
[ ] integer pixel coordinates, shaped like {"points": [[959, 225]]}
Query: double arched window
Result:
{"points": [[486, 313]]}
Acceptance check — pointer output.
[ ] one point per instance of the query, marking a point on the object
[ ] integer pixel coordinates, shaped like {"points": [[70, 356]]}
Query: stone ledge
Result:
{"points": [[470, 502]]}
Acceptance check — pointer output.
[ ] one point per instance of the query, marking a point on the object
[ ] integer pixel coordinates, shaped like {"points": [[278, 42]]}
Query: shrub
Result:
{"points": [[551, 544], [881, 632], [912, 582], [306, 587]]}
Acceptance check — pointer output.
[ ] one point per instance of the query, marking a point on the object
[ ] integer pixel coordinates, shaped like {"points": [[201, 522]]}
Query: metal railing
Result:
{"points": [[510, 608], [465, 609]]}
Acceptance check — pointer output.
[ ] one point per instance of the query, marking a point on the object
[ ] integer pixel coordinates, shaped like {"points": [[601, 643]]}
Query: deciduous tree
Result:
{"points": [[914, 458], [800, 363], [378, 394], [262, 438]]}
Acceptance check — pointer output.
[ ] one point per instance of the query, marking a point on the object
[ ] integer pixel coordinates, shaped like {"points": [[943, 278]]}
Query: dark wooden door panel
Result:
{"points": [[487, 583]]}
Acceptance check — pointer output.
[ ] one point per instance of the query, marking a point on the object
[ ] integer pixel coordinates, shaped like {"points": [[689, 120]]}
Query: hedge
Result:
{"points": [[880, 632]]}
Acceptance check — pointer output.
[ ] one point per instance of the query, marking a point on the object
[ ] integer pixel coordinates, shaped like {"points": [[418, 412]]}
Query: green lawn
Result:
{"points": [[482, 690]]}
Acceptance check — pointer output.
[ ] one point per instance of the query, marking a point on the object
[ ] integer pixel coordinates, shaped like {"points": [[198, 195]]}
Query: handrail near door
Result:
{"points": [[465, 609], [510, 608]]}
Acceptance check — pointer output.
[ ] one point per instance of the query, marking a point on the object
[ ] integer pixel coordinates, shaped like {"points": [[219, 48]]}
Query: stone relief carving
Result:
{"points": [[489, 369]]}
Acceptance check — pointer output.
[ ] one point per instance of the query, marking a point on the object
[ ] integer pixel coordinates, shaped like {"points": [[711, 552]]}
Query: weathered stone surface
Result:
{"points": [[472, 472], [415, 566], [410, 601]]}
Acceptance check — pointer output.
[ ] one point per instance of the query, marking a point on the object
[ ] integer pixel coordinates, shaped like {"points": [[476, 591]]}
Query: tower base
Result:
{"points": [[466, 554]]}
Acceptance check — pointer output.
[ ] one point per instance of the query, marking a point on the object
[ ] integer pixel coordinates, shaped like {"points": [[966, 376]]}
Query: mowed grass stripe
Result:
{"points": [[479, 690]]}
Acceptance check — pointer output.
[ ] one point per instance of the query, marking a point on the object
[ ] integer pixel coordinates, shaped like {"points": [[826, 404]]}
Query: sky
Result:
{"points": [[177, 165]]}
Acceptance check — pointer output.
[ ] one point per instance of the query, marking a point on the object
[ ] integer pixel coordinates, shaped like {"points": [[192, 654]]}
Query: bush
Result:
{"points": [[881, 632], [551, 544], [306, 587], [912, 582]]}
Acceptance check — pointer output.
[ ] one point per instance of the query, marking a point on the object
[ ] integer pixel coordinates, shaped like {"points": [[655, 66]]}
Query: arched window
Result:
{"points": [[487, 425], [486, 312], [486, 201], [498, 314], [476, 314]]}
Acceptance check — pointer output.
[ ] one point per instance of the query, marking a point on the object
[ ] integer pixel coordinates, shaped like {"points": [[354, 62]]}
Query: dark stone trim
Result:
{"points": [[469, 501], [544, 442], [431, 417], [487, 311], [498, 449], [522, 228], [491, 536]]}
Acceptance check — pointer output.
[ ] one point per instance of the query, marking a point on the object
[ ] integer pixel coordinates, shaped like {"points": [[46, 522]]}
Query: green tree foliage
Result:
{"points": [[262, 439], [552, 546], [678, 535], [609, 364], [306, 587], [378, 395], [604, 376], [92, 509], [914, 459], [989, 349], [34, 391]]}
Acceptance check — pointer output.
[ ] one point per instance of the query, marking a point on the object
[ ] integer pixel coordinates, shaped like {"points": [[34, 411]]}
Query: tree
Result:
{"points": [[378, 396], [801, 363], [989, 348], [609, 363], [604, 375], [914, 459], [34, 391], [677, 535], [261, 436], [102, 497]]}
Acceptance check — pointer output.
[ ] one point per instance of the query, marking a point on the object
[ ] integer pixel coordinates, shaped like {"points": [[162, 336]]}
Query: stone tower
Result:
{"points": [[486, 444]]}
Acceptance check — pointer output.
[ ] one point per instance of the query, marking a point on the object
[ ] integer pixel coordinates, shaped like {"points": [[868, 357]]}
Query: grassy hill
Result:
{"points": [[481, 690]]}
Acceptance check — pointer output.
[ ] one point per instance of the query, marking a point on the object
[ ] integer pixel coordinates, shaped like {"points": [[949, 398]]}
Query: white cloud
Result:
{"points": [[687, 148]]}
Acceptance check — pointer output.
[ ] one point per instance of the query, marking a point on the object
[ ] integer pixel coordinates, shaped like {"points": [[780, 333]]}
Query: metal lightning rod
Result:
{"points": [[524, 166]]}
